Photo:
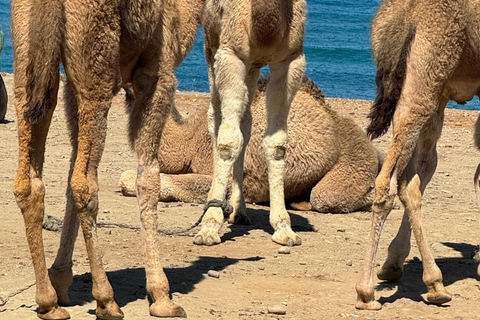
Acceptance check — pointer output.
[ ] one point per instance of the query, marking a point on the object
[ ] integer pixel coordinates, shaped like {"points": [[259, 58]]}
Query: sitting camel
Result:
{"points": [[330, 164], [240, 38], [426, 54], [103, 45]]}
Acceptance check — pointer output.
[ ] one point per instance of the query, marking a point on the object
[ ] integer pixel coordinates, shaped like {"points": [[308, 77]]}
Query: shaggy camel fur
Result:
{"points": [[103, 46], [427, 53], [240, 38], [324, 150]]}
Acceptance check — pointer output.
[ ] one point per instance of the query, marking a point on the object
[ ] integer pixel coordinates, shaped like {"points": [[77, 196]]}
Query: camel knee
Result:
{"points": [[275, 146], [230, 142], [28, 191], [82, 194]]}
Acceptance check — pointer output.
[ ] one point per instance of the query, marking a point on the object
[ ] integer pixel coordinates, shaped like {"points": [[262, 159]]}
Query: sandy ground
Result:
{"points": [[315, 281]]}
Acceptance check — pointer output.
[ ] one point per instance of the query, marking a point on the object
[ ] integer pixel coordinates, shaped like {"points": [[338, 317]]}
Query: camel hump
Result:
{"points": [[391, 41], [45, 36], [268, 21]]}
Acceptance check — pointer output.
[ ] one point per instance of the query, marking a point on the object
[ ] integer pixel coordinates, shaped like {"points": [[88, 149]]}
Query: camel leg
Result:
{"points": [[227, 109], [237, 199], [29, 192], [423, 163], [332, 194], [476, 179], [60, 273], [154, 94], [284, 83]]}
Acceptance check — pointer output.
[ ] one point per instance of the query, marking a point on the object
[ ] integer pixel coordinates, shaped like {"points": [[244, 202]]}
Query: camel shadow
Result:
{"points": [[260, 219], [453, 269], [130, 285]]}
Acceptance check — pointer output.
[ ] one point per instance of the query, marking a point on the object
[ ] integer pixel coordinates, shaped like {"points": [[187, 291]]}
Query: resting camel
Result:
{"points": [[330, 164], [103, 45], [427, 53], [234, 57]]}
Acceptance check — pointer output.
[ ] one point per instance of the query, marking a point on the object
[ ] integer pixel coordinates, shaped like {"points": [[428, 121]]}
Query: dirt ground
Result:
{"points": [[315, 281]]}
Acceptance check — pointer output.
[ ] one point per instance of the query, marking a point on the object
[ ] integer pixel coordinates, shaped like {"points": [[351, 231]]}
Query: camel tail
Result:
{"points": [[391, 46], [44, 36]]}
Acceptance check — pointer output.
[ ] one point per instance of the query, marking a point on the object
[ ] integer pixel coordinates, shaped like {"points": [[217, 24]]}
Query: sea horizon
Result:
{"points": [[337, 49]]}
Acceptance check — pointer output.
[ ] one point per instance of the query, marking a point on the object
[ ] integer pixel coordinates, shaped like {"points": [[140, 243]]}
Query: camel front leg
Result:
{"points": [[154, 95], [228, 107], [285, 81]]}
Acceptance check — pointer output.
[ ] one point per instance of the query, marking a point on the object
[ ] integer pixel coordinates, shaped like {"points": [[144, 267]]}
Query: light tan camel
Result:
{"points": [[103, 46], [426, 54], [324, 151], [240, 37]]}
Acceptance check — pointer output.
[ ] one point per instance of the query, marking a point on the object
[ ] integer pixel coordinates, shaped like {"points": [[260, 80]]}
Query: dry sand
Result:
{"points": [[315, 281]]}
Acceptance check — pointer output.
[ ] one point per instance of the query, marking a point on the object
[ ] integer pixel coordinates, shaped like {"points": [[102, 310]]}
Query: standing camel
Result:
{"points": [[240, 38], [427, 53], [103, 45], [331, 165]]}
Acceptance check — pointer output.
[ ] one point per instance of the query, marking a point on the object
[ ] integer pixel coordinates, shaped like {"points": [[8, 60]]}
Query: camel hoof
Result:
{"points": [[390, 274], [110, 311], [439, 298], [209, 240], [286, 237], [371, 305], [167, 309], [56, 313], [208, 235]]}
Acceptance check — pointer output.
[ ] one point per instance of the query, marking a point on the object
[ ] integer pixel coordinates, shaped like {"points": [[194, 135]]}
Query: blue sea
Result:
{"points": [[337, 47]]}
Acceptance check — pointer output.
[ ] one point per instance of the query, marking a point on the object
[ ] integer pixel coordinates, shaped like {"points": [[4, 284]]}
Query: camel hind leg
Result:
{"points": [[285, 81], [419, 101], [61, 273], [154, 87], [28, 188], [237, 199], [423, 163]]}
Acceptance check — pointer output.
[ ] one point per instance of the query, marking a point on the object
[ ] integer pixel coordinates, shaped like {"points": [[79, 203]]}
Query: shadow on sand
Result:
{"points": [[259, 218], [129, 284], [453, 269]]}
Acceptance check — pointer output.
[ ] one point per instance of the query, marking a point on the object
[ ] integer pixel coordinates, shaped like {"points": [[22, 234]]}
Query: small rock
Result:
{"points": [[213, 274], [284, 250], [302, 263], [341, 229], [277, 309], [349, 263]]}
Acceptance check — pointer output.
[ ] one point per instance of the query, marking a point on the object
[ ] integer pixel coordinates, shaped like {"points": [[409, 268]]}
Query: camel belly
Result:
{"points": [[462, 90]]}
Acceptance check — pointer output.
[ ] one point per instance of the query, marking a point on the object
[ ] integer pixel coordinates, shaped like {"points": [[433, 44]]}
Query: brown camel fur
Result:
{"points": [[427, 53], [240, 38], [103, 46], [330, 165]]}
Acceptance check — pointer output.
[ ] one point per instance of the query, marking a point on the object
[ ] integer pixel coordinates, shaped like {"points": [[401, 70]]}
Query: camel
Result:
{"points": [[324, 151], [103, 46], [426, 54], [240, 38], [3, 89]]}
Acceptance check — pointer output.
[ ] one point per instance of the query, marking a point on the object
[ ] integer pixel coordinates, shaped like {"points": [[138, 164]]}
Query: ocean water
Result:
{"points": [[337, 48]]}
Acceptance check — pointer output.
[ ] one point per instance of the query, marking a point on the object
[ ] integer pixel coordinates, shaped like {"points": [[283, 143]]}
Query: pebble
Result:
{"points": [[213, 274], [277, 309], [349, 263], [284, 250]]}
